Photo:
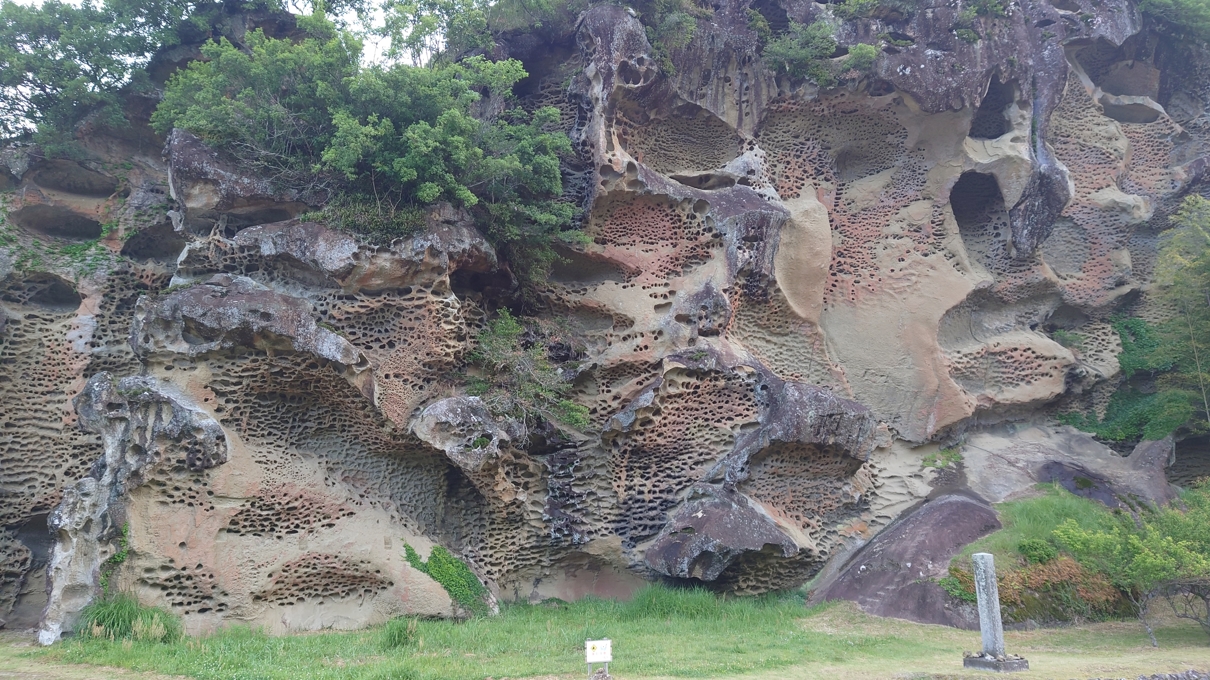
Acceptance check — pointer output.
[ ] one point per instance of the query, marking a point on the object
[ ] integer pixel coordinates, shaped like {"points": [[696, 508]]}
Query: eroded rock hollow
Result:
{"points": [[787, 298]]}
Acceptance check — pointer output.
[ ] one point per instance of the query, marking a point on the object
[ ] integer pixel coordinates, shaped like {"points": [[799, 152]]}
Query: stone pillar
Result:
{"points": [[988, 592], [992, 658]]}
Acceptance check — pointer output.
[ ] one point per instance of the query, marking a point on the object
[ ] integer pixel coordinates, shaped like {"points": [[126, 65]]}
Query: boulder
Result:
{"points": [[895, 574]]}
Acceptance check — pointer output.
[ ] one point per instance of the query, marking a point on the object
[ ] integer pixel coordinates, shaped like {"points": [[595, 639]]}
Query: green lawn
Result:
{"points": [[660, 634], [691, 631]]}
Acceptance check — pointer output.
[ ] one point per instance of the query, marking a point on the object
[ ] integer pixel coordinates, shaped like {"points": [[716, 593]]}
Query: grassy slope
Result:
{"points": [[1036, 518], [662, 635]]}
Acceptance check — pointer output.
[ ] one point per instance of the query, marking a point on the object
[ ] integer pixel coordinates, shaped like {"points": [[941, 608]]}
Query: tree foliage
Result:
{"points": [[802, 52], [1151, 555], [270, 104], [307, 113], [422, 29], [61, 63]]}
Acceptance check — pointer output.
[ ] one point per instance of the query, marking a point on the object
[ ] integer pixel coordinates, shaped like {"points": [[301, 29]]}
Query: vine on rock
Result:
{"points": [[452, 573]]}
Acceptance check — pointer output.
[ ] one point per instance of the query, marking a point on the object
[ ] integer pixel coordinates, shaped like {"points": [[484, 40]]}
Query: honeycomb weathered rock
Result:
{"points": [[786, 296]]}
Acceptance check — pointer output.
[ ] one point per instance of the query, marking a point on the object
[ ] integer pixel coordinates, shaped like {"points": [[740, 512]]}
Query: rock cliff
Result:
{"points": [[788, 296]]}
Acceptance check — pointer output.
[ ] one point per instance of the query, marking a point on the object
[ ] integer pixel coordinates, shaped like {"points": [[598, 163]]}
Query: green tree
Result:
{"points": [[393, 137], [269, 104], [803, 51], [61, 64], [423, 29], [1144, 560]]}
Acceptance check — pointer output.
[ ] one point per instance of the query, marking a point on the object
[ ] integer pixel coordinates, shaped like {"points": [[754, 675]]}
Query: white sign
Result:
{"points": [[598, 651]]}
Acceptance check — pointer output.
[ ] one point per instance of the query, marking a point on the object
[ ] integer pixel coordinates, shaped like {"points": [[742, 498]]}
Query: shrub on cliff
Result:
{"points": [[802, 52], [519, 381], [305, 113]]}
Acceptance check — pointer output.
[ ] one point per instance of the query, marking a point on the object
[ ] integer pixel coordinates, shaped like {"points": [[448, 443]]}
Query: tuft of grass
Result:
{"points": [[400, 633], [121, 617], [655, 602], [942, 459]]}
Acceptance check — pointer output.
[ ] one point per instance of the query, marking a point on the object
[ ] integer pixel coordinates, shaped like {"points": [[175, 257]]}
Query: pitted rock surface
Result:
{"points": [[143, 426], [787, 297]]}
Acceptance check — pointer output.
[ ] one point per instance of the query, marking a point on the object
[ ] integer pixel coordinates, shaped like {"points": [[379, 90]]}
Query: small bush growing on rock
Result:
{"points": [[116, 559], [121, 617], [1069, 339], [959, 584], [760, 26], [670, 25], [803, 51], [861, 57], [1037, 551], [967, 35], [379, 220], [942, 459], [520, 382], [452, 573]]}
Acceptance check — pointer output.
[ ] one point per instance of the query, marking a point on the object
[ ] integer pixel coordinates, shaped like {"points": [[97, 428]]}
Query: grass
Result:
{"points": [[122, 617], [692, 631], [1035, 518], [777, 638]]}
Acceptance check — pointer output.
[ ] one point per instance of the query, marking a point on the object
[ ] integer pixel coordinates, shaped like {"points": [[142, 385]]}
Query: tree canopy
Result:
{"points": [[305, 112]]}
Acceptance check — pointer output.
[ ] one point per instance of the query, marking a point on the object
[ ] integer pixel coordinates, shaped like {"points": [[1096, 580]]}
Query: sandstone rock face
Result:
{"points": [[142, 427], [787, 298]]}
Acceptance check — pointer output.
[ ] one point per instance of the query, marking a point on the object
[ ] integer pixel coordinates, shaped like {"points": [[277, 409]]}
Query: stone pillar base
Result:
{"points": [[1007, 664]]}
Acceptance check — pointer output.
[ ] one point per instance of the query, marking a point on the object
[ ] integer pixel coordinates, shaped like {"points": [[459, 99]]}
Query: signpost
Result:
{"points": [[598, 651]]}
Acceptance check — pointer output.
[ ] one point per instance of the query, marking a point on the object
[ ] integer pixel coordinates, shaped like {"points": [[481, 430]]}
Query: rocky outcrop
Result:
{"points": [[1001, 464], [142, 426], [896, 573], [788, 296], [217, 192]]}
